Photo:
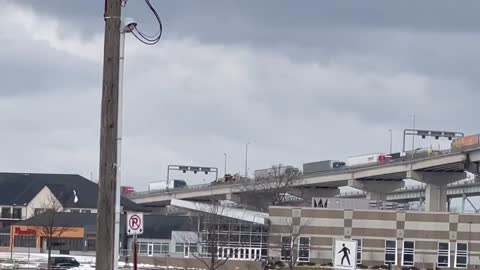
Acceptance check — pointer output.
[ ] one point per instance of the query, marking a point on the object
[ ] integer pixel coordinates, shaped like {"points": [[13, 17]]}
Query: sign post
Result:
{"points": [[135, 262], [345, 255], [135, 227]]}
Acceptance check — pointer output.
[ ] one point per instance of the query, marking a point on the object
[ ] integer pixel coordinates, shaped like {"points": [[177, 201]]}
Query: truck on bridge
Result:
{"points": [[163, 185], [322, 166]]}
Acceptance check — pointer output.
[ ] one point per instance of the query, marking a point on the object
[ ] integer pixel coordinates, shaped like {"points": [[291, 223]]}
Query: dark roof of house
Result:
{"points": [[161, 227], [155, 226], [61, 219], [21, 188]]}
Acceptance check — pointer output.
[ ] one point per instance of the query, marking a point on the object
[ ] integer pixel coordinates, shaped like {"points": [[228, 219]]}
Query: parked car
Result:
{"points": [[60, 263]]}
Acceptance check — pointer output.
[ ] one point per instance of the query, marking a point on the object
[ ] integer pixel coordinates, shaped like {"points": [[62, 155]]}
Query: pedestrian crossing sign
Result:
{"points": [[345, 255]]}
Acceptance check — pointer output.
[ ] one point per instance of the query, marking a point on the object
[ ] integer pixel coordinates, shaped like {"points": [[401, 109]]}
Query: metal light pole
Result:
{"points": [[127, 25], [413, 137], [225, 165], [246, 160], [469, 240], [391, 137]]}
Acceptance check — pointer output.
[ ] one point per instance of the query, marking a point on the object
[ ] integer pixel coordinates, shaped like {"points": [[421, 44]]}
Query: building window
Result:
{"points": [[193, 248], [286, 252], [4, 240], [443, 257], [304, 249], [461, 255], [143, 248], [359, 250], [179, 247], [25, 241], [6, 212], [91, 244], [165, 248], [17, 213], [73, 244], [76, 211], [38, 211], [86, 211], [391, 252], [408, 258]]}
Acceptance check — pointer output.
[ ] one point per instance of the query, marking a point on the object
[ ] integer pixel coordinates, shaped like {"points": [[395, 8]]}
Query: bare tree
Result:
{"points": [[273, 186], [293, 245], [207, 224], [50, 228]]}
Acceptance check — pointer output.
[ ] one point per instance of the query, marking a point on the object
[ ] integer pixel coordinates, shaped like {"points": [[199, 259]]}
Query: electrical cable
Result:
{"points": [[147, 39]]}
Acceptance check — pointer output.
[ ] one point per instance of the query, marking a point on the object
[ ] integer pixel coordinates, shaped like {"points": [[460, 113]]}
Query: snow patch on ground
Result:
{"points": [[32, 261]]}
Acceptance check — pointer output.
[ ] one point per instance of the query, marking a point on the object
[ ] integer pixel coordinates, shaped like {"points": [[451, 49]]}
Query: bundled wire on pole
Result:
{"points": [[147, 39]]}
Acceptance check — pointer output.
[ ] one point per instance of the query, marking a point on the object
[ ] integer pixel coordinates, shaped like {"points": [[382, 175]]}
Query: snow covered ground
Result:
{"points": [[31, 261]]}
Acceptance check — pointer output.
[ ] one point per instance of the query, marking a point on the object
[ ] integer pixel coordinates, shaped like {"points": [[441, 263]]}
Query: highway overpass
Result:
{"points": [[377, 181]]}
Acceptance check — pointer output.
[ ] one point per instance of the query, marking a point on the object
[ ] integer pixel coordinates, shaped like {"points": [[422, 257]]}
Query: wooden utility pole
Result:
{"points": [[108, 139]]}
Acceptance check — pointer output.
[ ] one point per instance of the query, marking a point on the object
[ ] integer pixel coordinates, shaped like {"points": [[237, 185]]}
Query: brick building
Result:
{"points": [[404, 239]]}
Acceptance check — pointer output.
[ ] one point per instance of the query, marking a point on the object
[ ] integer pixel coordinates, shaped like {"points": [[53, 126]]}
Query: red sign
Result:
{"points": [[19, 231]]}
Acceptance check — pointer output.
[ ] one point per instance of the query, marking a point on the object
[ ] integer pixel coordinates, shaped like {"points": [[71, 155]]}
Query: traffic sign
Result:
{"points": [[134, 223], [345, 255]]}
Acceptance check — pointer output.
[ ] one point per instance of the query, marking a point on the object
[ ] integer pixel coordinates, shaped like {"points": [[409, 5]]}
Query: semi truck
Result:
{"points": [[321, 166], [367, 159], [161, 185]]}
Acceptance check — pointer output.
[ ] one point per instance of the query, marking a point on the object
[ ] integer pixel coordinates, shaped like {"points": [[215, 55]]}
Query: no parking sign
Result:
{"points": [[135, 223]]}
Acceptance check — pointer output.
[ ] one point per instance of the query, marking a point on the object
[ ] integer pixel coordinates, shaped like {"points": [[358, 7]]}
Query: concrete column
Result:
{"points": [[436, 198], [233, 197], [436, 187], [376, 190]]}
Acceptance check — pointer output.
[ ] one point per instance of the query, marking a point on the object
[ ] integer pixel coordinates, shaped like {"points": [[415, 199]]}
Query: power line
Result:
{"points": [[145, 38]]}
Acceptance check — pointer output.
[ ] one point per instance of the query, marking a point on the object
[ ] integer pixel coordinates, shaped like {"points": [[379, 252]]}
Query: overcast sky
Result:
{"points": [[301, 81]]}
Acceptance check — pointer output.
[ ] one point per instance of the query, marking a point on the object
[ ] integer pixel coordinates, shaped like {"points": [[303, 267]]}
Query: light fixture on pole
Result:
{"points": [[225, 165]]}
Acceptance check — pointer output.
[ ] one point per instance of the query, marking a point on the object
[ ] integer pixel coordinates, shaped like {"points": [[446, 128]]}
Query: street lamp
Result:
{"points": [[391, 135], [127, 26], [225, 165], [246, 160]]}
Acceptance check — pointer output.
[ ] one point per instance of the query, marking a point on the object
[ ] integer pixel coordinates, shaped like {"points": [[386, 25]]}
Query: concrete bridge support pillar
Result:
{"points": [[436, 187], [436, 198], [233, 197], [376, 190]]}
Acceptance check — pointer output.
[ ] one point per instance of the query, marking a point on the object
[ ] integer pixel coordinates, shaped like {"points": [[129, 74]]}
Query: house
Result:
{"points": [[72, 233], [24, 195], [75, 233]]}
